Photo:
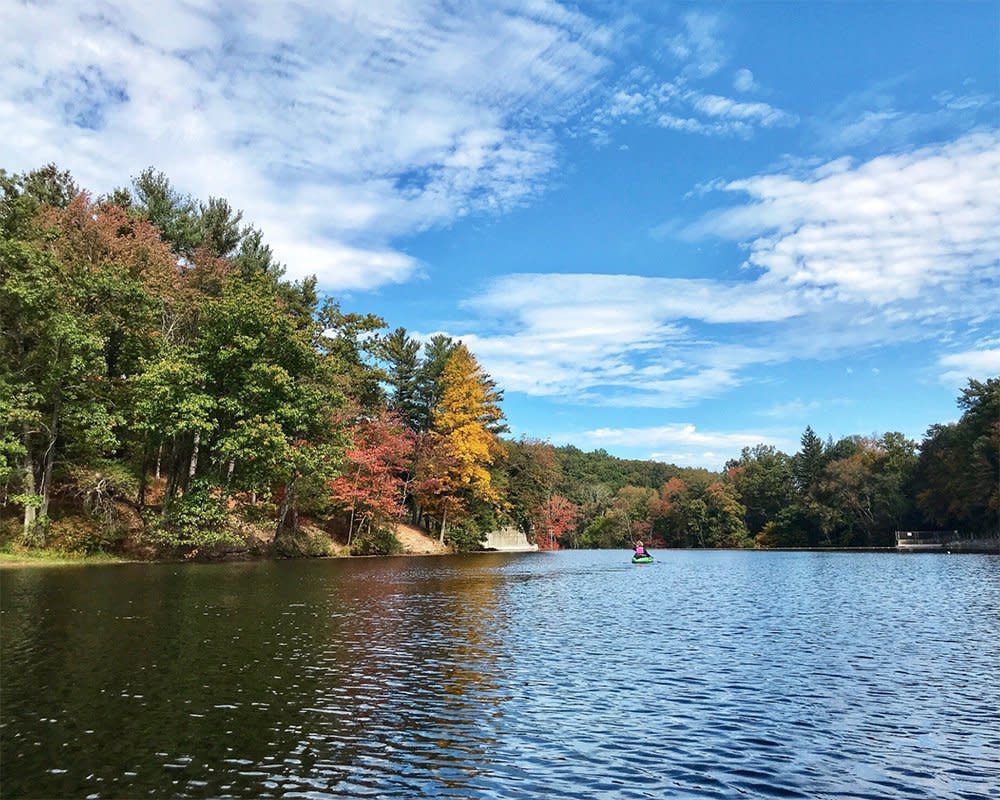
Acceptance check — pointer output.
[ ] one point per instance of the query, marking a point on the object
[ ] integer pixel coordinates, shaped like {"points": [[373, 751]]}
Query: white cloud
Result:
{"points": [[698, 44], [964, 102], [976, 364], [676, 106], [873, 117], [886, 230], [743, 81], [343, 125], [679, 443], [723, 107], [845, 258], [619, 339], [794, 409]]}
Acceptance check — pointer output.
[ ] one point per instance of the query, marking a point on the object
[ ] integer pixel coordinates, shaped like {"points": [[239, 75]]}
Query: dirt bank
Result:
{"points": [[416, 542]]}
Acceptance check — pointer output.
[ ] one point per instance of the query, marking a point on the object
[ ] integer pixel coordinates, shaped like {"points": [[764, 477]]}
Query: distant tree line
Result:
{"points": [[854, 492], [163, 385]]}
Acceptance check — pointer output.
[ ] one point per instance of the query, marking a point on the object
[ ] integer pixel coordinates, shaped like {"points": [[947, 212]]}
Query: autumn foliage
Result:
{"points": [[559, 517], [372, 486]]}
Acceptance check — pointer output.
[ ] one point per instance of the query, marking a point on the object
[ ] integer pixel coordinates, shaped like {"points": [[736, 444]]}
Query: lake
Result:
{"points": [[706, 674]]}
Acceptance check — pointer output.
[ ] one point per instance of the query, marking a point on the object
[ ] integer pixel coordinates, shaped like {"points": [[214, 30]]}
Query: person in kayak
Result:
{"points": [[641, 551]]}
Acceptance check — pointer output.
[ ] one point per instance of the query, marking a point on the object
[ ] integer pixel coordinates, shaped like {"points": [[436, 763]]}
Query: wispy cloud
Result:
{"points": [[978, 364], [794, 409], [883, 231], [618, 339], [679, 101], [342, 125], [844, 258], [679, 443], [698, 45], [875, 117], [674, 106]]}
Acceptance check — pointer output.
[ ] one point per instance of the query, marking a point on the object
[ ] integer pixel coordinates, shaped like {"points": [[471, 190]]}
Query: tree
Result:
{"points": [[529, 473], [808, 462], [400, 353], [437, 351], [863, 492], [764, 482], [462, 436], [671, 514], [558, 519], [82, 297], [219, 227], [957, 477], [371, 488], [631, 512], [348, 342]]}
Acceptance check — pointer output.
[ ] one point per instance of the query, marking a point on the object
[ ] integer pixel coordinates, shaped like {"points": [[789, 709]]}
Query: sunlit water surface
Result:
{"points": [[706, 674]]}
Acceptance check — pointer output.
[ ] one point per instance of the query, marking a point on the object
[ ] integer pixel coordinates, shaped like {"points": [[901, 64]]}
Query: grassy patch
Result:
{"points": [[16, 556]]}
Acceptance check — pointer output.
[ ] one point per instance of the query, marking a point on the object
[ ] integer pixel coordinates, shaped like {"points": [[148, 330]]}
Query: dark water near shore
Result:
{"points": [[707, 674]]}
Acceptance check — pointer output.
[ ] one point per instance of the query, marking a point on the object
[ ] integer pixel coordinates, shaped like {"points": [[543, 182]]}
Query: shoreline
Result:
{"points": [[54, 558]]}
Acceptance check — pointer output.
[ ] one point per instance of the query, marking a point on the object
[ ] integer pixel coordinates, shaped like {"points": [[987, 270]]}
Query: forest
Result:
{"points": [[166, 392]]}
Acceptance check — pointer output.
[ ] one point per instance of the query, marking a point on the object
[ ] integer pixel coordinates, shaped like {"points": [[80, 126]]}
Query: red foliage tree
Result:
{"points": [[559, 515], [372, 486]]}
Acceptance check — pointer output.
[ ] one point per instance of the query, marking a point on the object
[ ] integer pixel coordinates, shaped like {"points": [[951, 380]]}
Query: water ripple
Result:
{"points": [[706, 675]]}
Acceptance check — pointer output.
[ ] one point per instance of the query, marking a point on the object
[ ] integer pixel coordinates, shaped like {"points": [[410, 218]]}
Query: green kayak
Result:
{"points": [[642, 559]]}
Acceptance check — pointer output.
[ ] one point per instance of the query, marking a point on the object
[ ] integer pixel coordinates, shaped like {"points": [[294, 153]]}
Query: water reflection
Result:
{"points": [[541, 675]]}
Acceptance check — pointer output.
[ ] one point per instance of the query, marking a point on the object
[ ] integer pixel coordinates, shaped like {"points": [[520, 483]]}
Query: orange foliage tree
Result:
{"points": [[463, 441]]}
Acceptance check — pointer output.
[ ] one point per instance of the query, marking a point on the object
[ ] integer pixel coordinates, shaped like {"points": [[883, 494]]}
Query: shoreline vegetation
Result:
{"points": [[34, 557], [166, 393]]}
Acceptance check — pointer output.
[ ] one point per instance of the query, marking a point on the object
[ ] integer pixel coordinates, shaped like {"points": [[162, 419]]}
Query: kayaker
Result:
{"points": [[641, 551]]}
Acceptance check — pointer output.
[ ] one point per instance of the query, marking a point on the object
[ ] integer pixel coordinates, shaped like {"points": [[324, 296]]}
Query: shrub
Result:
{"points": [[465, 536], [376, 542], [84, 535], [196, 519]]}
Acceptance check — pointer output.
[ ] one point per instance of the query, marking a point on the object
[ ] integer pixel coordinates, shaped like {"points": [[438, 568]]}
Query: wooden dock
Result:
{"points": [[944, 541], [925, 540]]}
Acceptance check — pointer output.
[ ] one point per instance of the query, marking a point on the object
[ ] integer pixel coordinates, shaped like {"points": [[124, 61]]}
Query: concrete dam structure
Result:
{"points": [[508, 540]]}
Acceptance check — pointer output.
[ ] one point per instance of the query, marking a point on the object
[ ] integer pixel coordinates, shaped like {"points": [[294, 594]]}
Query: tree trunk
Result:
{"points": [[354, 505], [444, 521], [229, 476], [141, 499], [30, 510], [159, 457], [193, 466], [350, 525], [283, 511], [45, 490], [171, 491]]}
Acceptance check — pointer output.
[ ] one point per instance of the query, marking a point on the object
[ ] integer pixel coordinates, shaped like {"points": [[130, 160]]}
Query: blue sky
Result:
{"points": [[668, 230]]}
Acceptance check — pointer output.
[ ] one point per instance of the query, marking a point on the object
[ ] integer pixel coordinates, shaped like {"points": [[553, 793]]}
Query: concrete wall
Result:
{"points": [[508, 539]]}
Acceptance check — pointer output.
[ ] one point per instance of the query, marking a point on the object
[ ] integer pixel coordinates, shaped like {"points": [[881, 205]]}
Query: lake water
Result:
{"points": [[542, 675]]}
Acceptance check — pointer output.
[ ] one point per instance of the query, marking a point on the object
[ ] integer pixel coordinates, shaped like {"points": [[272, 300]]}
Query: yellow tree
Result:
{"points": [[464, 434]]}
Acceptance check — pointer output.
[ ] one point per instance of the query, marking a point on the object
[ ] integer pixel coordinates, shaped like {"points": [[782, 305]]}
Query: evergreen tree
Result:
{"points": [[400, 353], [808, 462]]}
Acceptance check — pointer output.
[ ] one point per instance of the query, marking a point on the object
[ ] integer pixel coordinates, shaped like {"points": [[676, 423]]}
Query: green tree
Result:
{"points": [[631, 512], [79, 316], [23, 195], [437, 351], [349, 344], [808, 462], [155, 199], [957, 478], [764, 482], [529, 474], [400, 353]]}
